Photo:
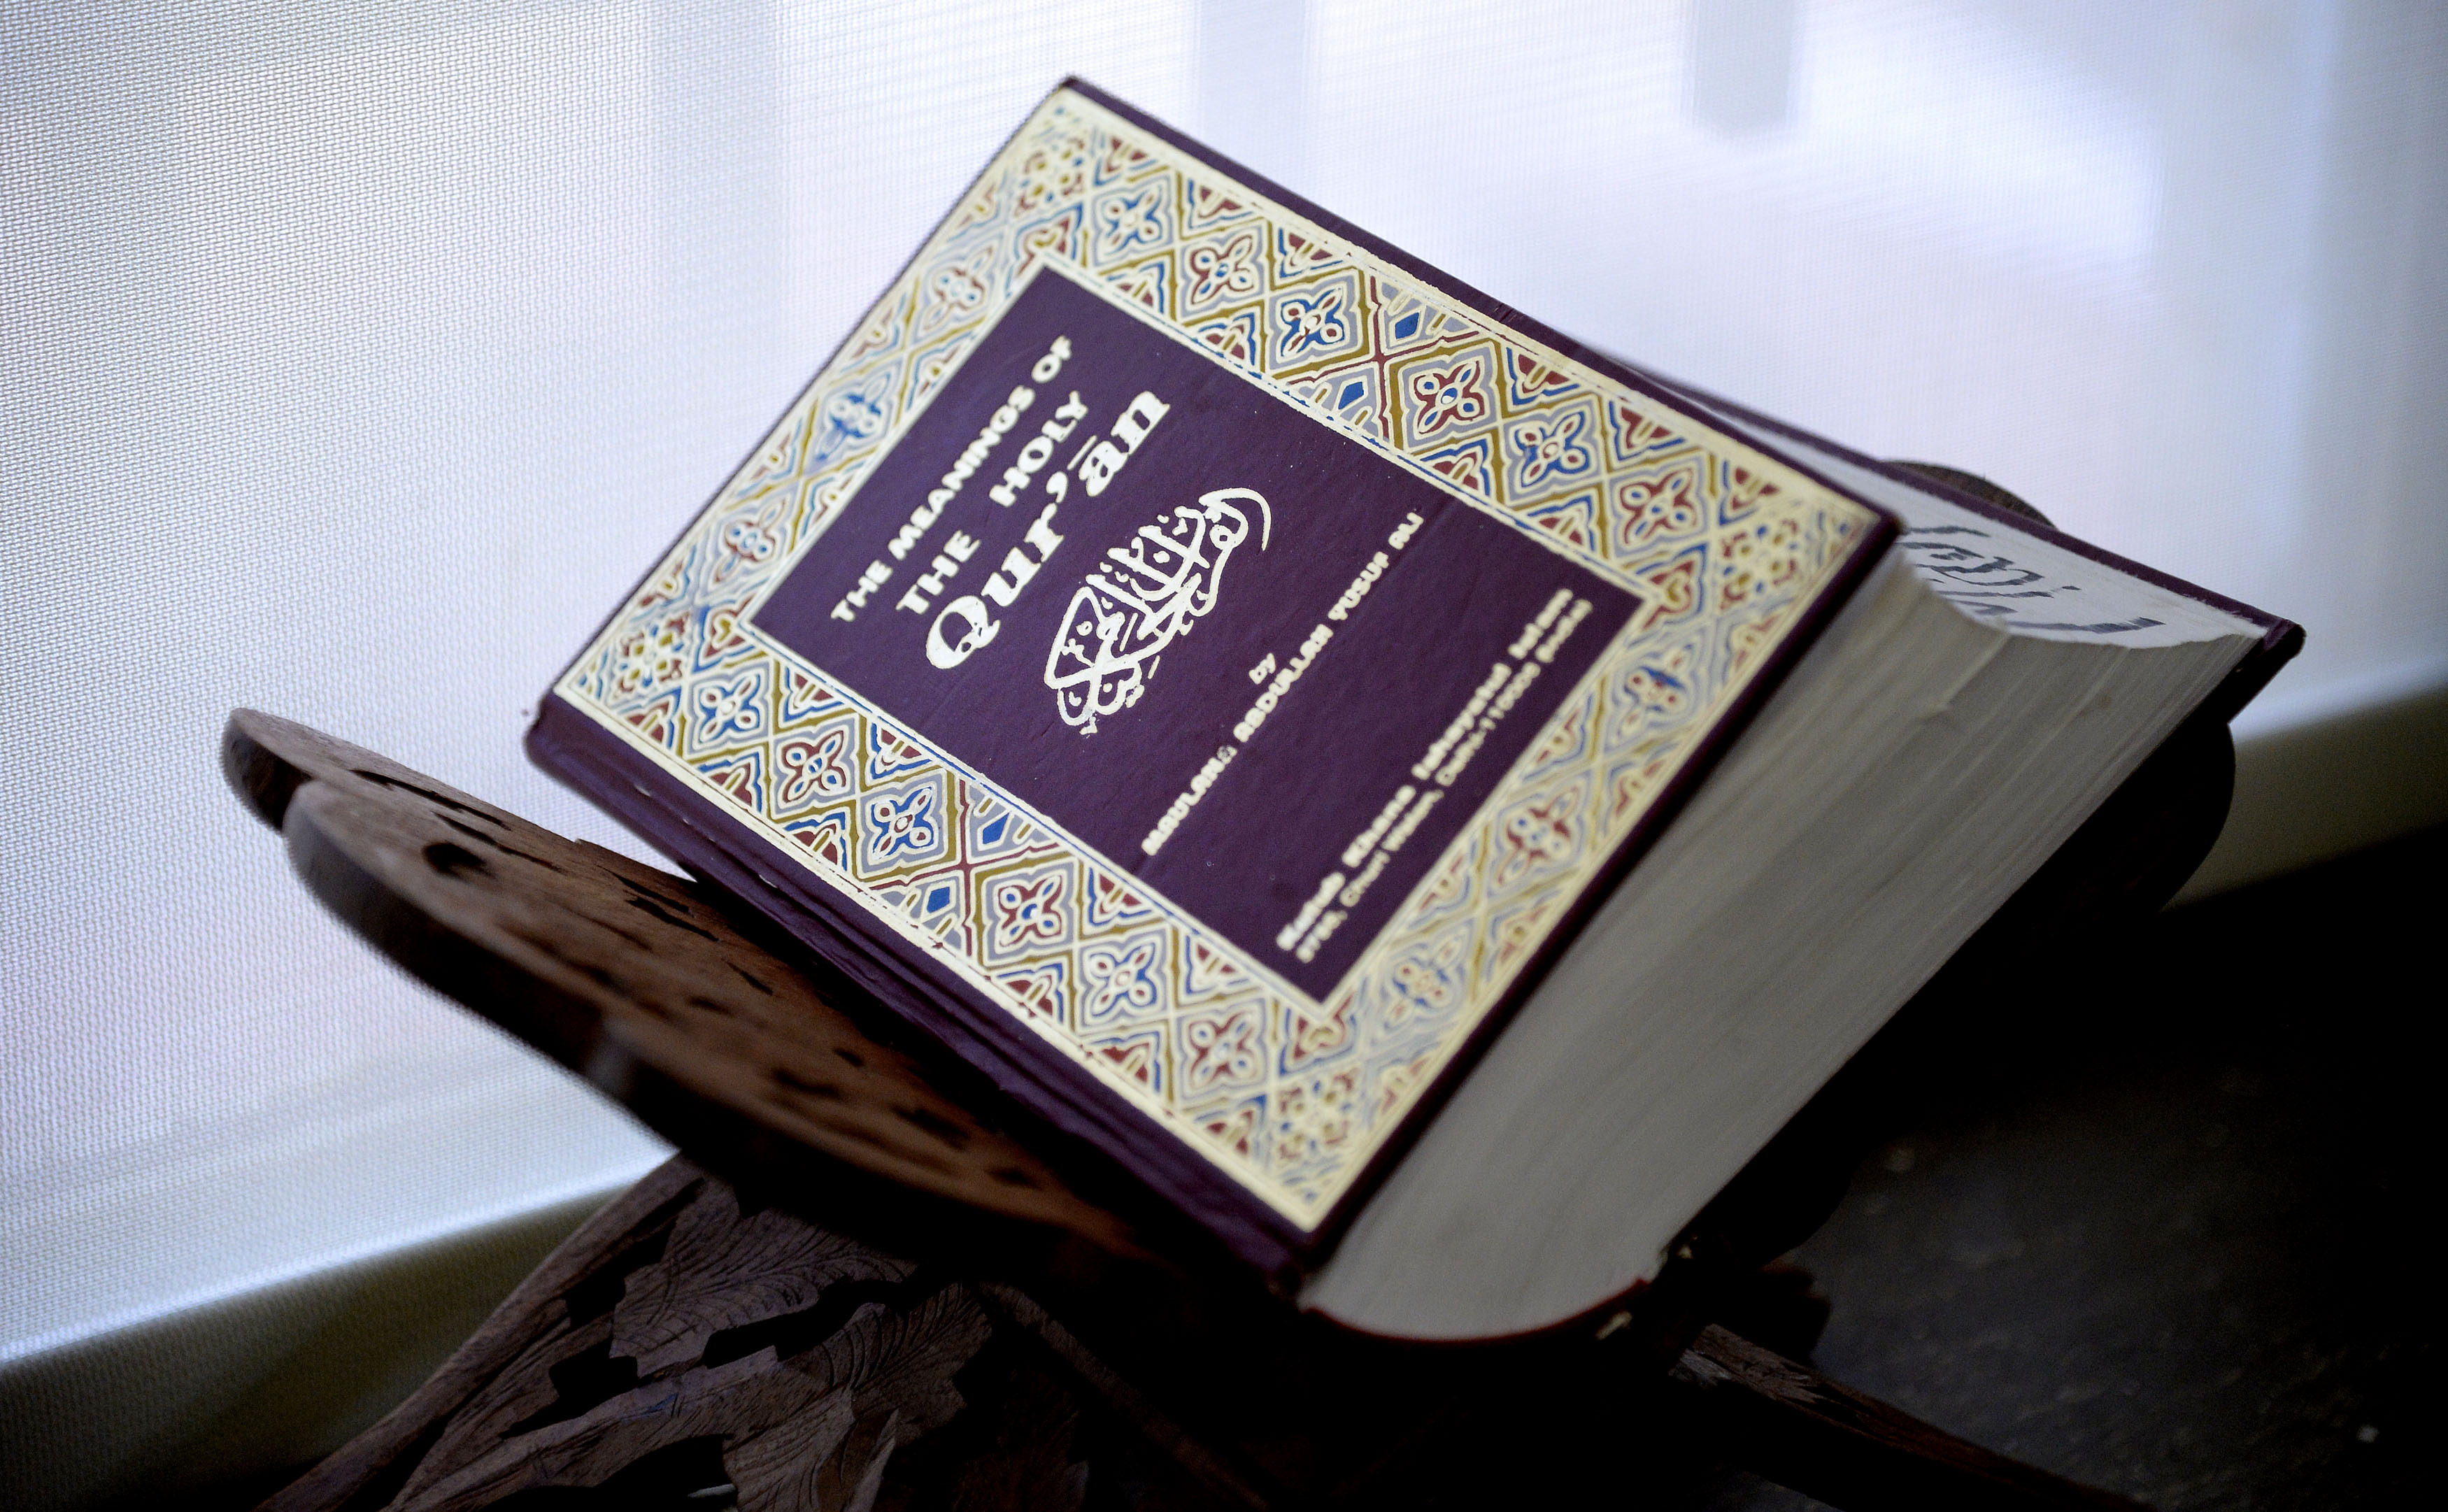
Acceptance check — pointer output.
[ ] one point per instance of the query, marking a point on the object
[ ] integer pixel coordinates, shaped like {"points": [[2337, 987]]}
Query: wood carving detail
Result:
{"points": [[617, 970], [679, 1344], [698, 1336]]}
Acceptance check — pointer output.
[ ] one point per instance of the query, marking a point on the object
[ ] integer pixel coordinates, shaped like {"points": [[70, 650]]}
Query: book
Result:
{"points": [[1423, 799]]}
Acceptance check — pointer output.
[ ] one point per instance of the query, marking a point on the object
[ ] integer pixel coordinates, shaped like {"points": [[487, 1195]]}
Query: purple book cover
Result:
{"points": [[1199, 663]]}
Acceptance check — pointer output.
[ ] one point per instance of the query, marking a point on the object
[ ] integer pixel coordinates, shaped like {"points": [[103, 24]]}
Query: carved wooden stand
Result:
{"points": [[865, 1286]]}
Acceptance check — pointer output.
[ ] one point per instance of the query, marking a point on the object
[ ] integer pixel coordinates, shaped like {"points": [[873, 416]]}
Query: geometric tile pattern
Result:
{"points": [[1288, 1094]]}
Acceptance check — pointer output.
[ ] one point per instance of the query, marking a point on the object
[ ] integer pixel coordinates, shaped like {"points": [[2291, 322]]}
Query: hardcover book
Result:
{"points": [[1215, 674]]}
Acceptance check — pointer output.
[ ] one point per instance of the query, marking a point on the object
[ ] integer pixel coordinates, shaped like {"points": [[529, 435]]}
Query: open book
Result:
{"points": [[1422, 798]]}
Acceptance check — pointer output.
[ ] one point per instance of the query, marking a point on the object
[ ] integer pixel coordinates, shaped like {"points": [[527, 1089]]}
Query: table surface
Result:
{"points": [[2160, 1231]]}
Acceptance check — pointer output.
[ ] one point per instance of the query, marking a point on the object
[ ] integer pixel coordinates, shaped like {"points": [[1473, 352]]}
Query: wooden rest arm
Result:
{"points": [[684, 1339], [800, 1336]]}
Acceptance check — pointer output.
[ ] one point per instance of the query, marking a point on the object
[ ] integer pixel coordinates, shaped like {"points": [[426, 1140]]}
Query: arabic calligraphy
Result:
{"points": [[1140, 599]]}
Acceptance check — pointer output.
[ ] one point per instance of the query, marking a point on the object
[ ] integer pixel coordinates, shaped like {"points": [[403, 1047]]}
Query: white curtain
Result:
{"points": [[358, 357]]}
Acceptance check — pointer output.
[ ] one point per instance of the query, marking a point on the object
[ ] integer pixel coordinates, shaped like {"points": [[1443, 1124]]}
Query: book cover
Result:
{"points": [[1200, 664]]}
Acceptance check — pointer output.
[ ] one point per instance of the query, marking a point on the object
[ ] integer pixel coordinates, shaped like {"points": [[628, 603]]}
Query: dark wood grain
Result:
{"points": [[684, 1341], [702, 1333], [624, 973]]}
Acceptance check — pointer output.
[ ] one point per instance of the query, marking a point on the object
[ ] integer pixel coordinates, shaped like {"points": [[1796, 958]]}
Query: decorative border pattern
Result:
{"points": [[1288, 1095]]}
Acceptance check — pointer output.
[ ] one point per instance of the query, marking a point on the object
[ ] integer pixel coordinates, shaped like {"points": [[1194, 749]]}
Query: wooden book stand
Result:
{"points": [[868, 1283]]}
